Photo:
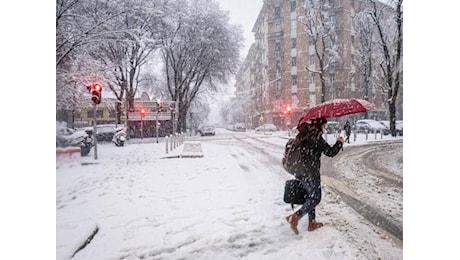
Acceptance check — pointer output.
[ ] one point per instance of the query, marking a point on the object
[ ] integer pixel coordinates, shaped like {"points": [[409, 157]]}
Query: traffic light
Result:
{"points": [[172, 105], [287, 111], [96, 90], [159, 106], [142, 112]]}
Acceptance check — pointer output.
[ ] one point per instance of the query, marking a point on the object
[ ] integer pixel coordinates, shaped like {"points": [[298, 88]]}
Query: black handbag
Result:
{"points": [[294, 192]]}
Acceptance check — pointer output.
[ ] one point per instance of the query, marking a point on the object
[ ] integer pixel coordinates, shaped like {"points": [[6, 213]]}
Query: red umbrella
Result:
{"points": [[337, 108]]}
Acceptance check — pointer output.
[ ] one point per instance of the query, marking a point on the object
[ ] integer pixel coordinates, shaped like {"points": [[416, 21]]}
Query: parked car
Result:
{"points": [[399, 128], [240, 127], [332, 127], [266, 128], [386, 126], [70, 137], [207, 129], [368, 125], [386, 129], [104, 133]]}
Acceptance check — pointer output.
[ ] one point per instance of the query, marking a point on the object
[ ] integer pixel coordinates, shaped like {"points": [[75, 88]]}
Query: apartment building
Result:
{"points": [[279, 71]]}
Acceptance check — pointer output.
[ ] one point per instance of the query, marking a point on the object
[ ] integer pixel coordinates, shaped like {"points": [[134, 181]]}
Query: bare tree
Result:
{"points": [[79, 24], [364, 52], [126, 48], [106, 41], [200, 49], [388, 20], [320, 26]]}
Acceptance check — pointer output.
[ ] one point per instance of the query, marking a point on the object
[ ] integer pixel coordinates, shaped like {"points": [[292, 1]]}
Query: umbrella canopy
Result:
{"points": [[337, 108]]}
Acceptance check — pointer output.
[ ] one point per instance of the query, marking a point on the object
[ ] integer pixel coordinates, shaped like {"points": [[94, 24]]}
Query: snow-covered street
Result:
{"points": [[132, 203]]}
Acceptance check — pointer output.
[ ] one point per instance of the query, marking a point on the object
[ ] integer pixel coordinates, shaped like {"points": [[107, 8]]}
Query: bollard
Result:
{"points": [[171, 142], [381, 134], [375, 132], [354, 135], [367, 133], [166, 142]]}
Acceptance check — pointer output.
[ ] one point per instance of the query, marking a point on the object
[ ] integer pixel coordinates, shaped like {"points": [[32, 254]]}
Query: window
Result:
{"points": [[332, 75], [352, 39], [294, 79], [293, 61], [277, 12], [293, 25], [278, 86], [293, 43], [312, 77], [311, 59], [293, 6]]}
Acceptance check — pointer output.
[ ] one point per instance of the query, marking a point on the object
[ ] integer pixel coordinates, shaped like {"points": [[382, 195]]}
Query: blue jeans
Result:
{"points": [[313, 188]]}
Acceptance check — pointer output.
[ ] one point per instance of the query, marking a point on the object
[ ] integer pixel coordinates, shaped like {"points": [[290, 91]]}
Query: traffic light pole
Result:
{"points": [[142, 126], [156, 127], [94, 132]]}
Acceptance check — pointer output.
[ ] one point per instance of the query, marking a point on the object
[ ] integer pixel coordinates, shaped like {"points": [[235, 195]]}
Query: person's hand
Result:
{"points": [[340, 139]]}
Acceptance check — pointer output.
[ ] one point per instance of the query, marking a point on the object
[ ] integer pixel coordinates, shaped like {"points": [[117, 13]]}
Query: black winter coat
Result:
{"points": [[312, 148]]}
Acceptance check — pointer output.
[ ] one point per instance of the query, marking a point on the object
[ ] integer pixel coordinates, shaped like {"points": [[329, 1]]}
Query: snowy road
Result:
{"points": [[367, 177], [227, 205]]}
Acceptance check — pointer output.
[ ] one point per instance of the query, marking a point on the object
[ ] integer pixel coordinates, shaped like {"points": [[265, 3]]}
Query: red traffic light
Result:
{"points": [[143, 111], [288, 108], [96, 89]]}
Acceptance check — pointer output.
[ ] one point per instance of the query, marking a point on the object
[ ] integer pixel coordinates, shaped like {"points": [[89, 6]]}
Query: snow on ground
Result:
{"points": [[227, 205]]}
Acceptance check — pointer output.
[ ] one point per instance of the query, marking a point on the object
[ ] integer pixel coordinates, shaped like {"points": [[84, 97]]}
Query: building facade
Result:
{"points": [[146, 116], [279, 72]]}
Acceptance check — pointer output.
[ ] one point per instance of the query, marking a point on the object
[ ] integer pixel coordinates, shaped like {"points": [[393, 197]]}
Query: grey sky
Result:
{"points": [[243, 12]]}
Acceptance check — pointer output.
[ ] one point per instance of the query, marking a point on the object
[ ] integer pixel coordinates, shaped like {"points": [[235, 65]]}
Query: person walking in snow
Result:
{"points": [[312, 147], [347, 129]]}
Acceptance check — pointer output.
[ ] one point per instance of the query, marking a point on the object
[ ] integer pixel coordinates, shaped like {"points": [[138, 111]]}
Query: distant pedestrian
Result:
{"points": [[347, 129]]}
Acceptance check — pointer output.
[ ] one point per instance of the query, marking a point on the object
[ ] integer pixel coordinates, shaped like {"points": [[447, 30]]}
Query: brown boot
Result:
{"points": [[293, 220], [312, 225]]}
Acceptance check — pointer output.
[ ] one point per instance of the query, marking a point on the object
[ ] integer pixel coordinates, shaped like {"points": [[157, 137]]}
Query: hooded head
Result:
{"points": [[313, 127], [319, 122]]}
